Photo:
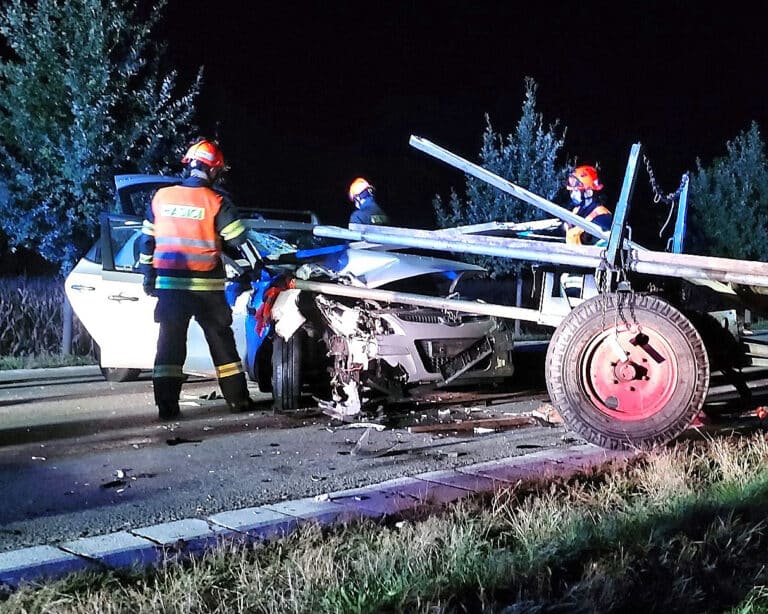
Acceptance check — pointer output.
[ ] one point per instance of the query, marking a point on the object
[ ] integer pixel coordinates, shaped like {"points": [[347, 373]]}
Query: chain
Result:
{"points": [[658, 197], [657, 194]]}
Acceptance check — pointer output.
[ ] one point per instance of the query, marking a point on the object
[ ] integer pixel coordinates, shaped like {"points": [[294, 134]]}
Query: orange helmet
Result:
{"points": [[357, 187], [205, 152], [584, 178]]}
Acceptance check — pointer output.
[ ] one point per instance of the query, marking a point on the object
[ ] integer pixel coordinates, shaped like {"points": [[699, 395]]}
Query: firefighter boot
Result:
{"points": [[235, 390], [167, 391]]}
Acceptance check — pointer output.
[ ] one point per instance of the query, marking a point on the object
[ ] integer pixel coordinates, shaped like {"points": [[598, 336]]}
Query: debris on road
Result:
{"points": [[547, 415], [493, 424]]}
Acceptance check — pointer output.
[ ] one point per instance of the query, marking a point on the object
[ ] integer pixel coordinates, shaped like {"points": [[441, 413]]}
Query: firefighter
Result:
{"points": [[582, 185], [186, 228], [367, 210]]}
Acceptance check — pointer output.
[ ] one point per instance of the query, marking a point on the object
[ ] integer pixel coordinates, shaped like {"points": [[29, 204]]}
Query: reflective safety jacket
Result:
{"points": [[594, 212], [183, 233]]}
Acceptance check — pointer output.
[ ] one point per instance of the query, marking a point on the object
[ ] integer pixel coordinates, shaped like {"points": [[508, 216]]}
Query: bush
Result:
{"points": [[31, 312]]}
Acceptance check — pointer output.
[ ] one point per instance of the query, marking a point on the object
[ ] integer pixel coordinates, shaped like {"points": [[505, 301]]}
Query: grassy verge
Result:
{"points": [[681, 530], [43, 361]]}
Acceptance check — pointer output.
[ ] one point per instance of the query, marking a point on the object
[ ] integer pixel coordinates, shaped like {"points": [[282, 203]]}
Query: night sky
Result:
{"points": [[309, 98]]}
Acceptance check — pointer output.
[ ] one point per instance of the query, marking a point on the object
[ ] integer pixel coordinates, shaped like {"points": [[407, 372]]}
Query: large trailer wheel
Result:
{"points": [[627, 371]]}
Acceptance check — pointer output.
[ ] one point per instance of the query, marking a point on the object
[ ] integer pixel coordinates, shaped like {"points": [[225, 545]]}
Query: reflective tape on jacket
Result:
{"points": [[185, 230], [204, 284]]}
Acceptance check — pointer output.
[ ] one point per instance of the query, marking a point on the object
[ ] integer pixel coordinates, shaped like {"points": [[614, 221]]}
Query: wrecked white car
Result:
{"points": [[343, 349], [343, 312]]}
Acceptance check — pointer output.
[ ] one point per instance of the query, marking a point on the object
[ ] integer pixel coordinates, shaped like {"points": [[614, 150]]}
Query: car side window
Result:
{"points": [[125, 237]]}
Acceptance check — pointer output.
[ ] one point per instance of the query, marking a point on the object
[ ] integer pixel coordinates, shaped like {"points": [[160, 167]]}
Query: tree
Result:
{"points": [[729, 201], [82, 98], [526, 157]]}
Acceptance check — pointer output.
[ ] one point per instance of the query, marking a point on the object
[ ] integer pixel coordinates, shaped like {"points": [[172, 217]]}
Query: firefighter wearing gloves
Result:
{"points": [[582, 185], [367, 210], [186, 228]]}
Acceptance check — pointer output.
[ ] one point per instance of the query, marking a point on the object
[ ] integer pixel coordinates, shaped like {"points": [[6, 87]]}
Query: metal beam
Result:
{"points": [[618, 225], [405, 298], [680, 221], [686, 266], [506, 186]]}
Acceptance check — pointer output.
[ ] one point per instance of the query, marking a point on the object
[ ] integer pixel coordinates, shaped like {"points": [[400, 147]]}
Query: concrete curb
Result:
{"points": [[167, 542], [59, 373]]}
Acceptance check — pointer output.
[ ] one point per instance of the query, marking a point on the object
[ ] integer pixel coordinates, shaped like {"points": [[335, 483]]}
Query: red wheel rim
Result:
{"points": [[631, 381]]}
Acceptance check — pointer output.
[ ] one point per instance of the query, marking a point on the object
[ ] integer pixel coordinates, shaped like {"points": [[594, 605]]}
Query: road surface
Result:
{"points": [[80, 456]]}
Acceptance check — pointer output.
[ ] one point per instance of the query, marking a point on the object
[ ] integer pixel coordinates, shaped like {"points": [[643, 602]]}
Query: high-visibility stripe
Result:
{"points": [[228, 370], [233, 230], [145, 259], [176, 241], [167, 371], [189, 283], [148, 228], [167, 259]]}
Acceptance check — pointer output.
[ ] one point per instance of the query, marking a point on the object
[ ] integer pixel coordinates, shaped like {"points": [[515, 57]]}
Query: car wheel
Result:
{"points": [[263, 372], [286, 371], [120, 375], [115, 375]]}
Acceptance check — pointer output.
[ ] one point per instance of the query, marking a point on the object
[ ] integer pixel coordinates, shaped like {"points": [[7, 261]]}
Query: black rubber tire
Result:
{"points": [[120, 375], [115, 375], [572, 367], [262, 374], [286, 371]]}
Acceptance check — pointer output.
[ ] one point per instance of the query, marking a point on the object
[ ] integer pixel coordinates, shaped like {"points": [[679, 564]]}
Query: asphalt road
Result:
{"points": [[80, 456]]}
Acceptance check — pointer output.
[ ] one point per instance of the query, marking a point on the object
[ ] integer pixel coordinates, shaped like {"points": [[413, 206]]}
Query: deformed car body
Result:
{"points": [[344, 351]]}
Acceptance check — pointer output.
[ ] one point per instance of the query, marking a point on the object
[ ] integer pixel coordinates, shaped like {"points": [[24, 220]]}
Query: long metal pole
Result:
{"points": [[686, 266], [502, 184], [585, 256], [405, 298]]}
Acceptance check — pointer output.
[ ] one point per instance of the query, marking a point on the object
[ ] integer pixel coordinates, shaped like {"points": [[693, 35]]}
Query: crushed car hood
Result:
{"points": [[379, 268]]}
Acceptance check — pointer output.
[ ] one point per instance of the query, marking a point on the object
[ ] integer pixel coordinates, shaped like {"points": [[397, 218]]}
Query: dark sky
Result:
{"points": [[309, 98]]}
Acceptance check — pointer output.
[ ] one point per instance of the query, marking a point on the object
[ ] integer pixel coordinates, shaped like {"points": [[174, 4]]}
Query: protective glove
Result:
{"points": [[149, 285]]}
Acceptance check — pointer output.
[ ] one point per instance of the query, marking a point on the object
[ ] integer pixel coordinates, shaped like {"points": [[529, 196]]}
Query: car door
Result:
{"points": [[105, 290]]}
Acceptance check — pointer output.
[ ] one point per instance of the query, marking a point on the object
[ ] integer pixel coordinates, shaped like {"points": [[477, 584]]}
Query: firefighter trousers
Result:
{"points": [[173, 312]]}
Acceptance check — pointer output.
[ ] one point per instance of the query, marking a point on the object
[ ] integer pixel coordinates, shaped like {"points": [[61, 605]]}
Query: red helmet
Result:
{"points": [[205, 152], [584, 178], [357, 187]]}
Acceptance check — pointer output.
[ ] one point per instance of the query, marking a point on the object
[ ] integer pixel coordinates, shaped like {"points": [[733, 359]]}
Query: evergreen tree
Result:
{"points": [[82, 97], [729, 201], [527, 158]]}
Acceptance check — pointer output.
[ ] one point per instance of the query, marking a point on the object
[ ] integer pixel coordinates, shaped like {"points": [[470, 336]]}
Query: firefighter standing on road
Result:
{"points": [[582, 184], [367, 210], [185, 230]]}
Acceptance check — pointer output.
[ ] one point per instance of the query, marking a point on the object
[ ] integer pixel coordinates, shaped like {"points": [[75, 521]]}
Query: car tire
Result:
{"points": [[113, 374], [286, 371], [264, 370], [120, 375]]}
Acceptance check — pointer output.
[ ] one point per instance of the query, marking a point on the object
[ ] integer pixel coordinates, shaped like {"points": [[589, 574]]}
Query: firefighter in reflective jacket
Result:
{"points": [[186, 228], [367, 210], [582, 185]]}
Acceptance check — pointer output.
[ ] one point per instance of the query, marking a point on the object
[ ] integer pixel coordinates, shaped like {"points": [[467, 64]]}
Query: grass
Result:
{"points": [[44, 361], [681, 530]]}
